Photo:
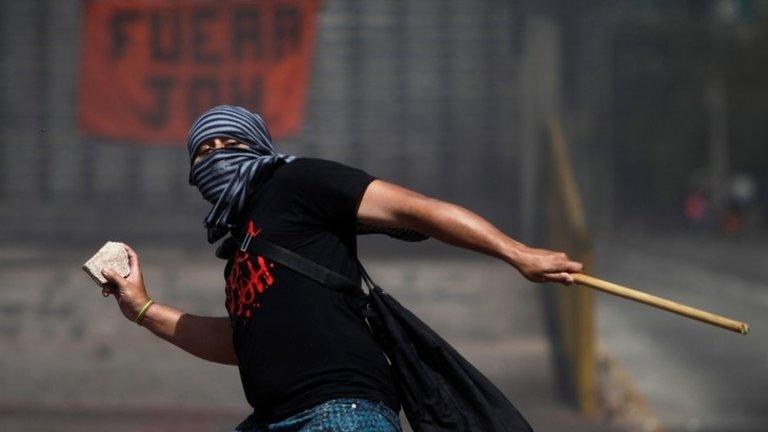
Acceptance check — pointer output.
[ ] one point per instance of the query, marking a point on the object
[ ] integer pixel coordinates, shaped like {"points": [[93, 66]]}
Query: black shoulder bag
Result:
{"points": [[439, 389]]}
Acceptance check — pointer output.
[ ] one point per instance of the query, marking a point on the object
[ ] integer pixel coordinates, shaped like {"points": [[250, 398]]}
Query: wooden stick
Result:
{"points": [[661, 303]]}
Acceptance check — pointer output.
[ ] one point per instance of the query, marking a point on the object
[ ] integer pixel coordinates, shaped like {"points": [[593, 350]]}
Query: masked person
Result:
{"points": [[306, 359]]}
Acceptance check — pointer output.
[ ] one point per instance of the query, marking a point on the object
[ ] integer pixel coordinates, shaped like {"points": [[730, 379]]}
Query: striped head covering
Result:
{"points": [[226, 176]]}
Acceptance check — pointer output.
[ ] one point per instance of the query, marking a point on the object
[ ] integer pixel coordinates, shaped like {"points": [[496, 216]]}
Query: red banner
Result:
{"points": [[150, 67]]}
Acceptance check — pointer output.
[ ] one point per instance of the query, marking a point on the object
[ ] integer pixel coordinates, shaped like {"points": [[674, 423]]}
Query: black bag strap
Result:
{"points": [[308, 268]]}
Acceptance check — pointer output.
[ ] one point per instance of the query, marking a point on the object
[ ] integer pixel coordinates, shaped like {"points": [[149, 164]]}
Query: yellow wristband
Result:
{"points": [[143, 311]]}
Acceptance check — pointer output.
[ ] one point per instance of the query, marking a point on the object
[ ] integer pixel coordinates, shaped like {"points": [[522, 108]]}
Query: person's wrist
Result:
{"points": [[142, 310], [137, 303], [513, 254]]}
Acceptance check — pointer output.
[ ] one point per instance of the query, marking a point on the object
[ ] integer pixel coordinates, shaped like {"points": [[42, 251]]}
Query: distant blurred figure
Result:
{"points": [[697, 203], [696, 209], [741, 212]]}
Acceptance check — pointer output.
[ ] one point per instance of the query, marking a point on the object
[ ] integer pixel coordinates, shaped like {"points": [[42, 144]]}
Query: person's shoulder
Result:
{"points": [[311, 167], [305, 161]]}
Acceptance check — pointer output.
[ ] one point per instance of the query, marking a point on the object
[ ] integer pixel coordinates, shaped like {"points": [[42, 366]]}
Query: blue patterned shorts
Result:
{"points": [[336, 415]]}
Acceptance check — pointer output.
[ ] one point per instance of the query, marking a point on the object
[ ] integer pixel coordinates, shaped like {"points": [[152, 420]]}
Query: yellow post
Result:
{"points": [[568, 231]]}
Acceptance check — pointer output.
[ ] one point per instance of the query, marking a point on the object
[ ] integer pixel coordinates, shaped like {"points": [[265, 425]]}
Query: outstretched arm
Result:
{"points": [[389, 205], [209, 338]]}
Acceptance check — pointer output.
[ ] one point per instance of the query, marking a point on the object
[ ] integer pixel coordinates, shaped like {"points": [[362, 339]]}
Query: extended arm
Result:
{"points": [[209, 338], [389, 205]]}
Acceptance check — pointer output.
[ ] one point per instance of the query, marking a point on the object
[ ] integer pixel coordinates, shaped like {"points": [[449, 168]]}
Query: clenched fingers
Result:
{"points": [[106, 291], [563, 278], [573, 267], [561, 264], [113, 277]]}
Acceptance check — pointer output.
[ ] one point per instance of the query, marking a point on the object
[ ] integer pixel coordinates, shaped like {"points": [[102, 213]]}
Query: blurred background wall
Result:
{"points": [[662, 104], [423, 94], [448, 98]]}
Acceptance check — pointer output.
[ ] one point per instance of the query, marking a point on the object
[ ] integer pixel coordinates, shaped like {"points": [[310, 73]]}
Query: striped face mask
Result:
{"points": [[226, 176]]}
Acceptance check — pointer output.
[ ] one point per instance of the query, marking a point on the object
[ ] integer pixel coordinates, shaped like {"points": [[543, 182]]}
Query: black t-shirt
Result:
{"points": [[299, 343]]}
